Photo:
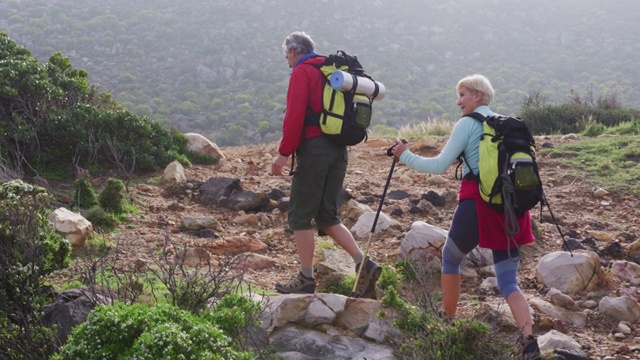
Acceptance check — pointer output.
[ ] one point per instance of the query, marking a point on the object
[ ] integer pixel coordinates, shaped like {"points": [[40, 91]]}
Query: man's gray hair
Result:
{"points": [[300, 42]]}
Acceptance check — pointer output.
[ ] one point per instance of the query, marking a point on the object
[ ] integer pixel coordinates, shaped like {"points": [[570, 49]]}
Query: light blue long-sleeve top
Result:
{"points": [[465, 137]]}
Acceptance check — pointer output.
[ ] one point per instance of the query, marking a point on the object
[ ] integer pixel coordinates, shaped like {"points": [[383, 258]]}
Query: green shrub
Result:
{"points": [[593, 130], [74, 124], [85, 195], [101, 220], [30, 248], [388, 279], [573, 117], [142, 332], [426, 334], [407, 269], [201, 159], [627, 128], [183, 159], [111, 199], [344, 287], [392, 299], [235, 312], [26, 236], [196, 289]]}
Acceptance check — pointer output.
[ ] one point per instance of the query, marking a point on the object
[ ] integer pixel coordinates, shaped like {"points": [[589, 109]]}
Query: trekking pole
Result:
{"points": [[375, 220], [553, 218]]}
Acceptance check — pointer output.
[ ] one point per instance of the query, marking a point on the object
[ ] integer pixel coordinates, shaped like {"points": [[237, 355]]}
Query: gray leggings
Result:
{"points": [[464, 237]]}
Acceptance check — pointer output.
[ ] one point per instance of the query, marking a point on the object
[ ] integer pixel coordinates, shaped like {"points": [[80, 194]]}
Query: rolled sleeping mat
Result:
{"points": [[342, 80]]}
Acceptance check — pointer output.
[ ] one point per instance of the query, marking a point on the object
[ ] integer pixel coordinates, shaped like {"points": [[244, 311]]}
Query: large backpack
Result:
{"points": [[508, 175], [345, 115]]}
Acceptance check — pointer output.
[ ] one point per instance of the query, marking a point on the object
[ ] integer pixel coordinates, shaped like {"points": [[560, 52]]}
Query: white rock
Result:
{"points": [[74, 227], [423, 235], [570, 274], [175, 172], [620, 308], [201, 145], [600, 193], [364, 224], [556, 340]]}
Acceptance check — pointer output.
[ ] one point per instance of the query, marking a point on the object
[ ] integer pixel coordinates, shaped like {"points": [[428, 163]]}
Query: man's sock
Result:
{"points": [[307, 271], [358, 258]]}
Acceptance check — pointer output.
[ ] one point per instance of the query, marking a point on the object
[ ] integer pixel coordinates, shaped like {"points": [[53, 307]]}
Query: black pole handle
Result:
{"points": [[389, 150]]}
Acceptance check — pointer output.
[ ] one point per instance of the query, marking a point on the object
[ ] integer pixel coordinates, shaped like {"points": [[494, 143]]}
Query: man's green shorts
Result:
{"points": [[319, 175]]}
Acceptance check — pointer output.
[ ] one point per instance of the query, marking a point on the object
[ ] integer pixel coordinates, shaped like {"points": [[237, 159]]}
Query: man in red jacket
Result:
{"points": [[319, 174]]}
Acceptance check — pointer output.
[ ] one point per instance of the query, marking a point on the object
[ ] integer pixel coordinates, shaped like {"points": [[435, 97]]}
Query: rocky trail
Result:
{"points": [[572, 200]]}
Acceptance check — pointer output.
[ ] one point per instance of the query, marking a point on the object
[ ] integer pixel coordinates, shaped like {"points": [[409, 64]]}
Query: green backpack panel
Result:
{"points": [[345, 115]]}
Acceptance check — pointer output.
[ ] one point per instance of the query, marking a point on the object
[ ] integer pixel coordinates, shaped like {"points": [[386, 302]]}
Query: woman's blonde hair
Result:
{"points": [[477, 82]]}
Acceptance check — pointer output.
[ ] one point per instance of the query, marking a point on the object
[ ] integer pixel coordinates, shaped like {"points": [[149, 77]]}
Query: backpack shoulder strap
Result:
{"points": [[461, 158], [477, 116], [314, 117]]}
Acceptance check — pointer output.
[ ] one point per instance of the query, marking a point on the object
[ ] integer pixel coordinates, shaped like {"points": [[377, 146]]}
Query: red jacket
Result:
{"points": [[304, 97]]}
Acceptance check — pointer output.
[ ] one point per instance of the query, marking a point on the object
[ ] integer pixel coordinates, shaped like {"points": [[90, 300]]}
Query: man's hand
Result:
{"points": [[278, 164]]}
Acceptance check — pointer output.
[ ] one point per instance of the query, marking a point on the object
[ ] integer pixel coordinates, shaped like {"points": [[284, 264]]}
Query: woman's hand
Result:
{"points": [[399, 148]]}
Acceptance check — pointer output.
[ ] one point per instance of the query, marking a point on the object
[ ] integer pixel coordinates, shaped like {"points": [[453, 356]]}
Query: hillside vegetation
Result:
{"points": [[216, 67], [53, 121], [55, 125]]}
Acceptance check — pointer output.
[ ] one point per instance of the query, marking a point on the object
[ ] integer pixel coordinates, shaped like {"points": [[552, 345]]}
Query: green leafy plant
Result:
{"points": [[101, 220], [30, 249], [74, 124], [233, 313], [426, 334], [139, 331], [594, 129], [194, 289], [112, 198], [84, 195], [344, 287]]}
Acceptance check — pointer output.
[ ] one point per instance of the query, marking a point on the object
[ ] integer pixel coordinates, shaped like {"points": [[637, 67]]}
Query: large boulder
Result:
{"points": [[201, 145], [328, 326], [570, 273], [620, 308], [424, 243], [72, 308]]}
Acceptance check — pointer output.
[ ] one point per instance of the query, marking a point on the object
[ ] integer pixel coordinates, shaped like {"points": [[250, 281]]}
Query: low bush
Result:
{"points": [[427, 334], [101, 220], [30, 249], [574, 117], [154, 332], [84, 195], [112, 198]]}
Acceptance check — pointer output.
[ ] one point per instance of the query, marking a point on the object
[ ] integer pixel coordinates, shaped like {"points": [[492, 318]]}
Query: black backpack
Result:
{"points": [[508, 175], [345, 115]]}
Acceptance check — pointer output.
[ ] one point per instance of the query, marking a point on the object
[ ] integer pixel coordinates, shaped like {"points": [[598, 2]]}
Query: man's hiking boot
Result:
{"points": [[530, 349], [366, 287], [298, 285]]}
